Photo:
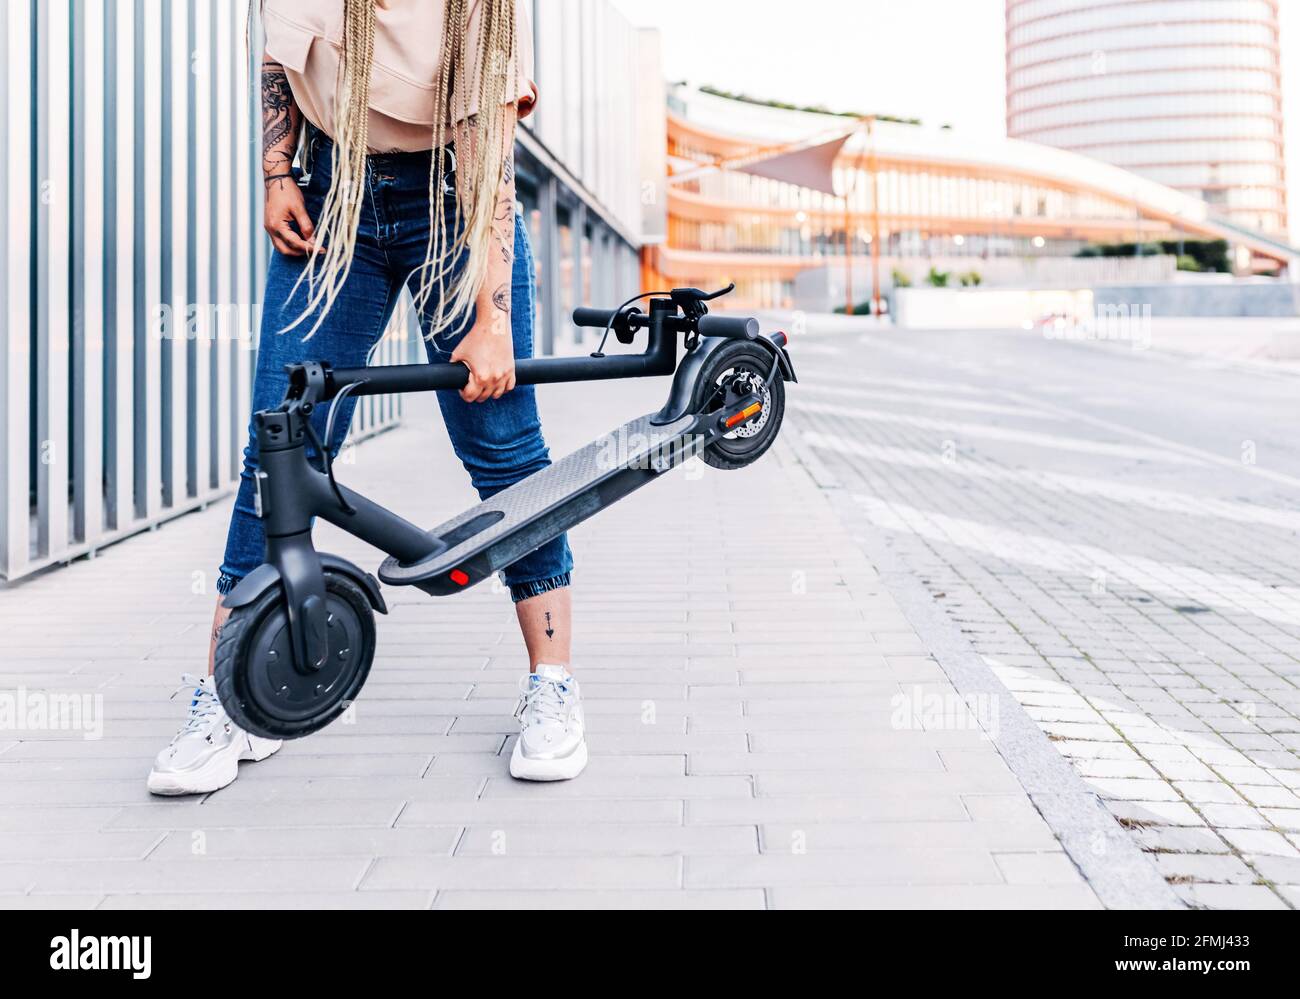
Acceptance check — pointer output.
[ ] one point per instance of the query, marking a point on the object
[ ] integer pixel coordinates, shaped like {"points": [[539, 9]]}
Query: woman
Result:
{"points": [[410, 107]]}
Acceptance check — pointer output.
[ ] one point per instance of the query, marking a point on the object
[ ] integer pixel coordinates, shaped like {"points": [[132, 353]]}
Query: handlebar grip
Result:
{"points": [[596, 318], [732, 327]]}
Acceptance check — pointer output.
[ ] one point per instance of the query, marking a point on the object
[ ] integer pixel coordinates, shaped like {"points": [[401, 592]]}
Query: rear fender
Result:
{"points": [[683, 387]]}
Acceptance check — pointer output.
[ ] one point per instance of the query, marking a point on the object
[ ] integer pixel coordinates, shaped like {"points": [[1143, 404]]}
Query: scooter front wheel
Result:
{"points": [[262, 689], [737, 369]]}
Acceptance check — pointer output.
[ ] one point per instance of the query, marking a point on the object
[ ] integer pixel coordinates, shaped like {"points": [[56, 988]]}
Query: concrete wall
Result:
{"points": [[820, 289], [1253, 298], [1184, 304], [989, 308]]}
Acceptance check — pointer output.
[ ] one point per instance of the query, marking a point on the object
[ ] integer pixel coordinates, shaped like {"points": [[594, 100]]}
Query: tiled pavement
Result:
{"points": [[743, 668], [1117, 535]]}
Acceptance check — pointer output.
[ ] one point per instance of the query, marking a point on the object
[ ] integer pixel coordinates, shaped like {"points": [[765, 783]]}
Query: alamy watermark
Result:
{"points": [[24, 710], [624, 449], [1119, 322], [219, 322], [75, 952], [933, 711]]}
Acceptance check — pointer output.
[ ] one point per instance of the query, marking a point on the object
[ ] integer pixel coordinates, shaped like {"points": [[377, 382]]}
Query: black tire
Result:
{"points": [[257, 682], [747, 443]]}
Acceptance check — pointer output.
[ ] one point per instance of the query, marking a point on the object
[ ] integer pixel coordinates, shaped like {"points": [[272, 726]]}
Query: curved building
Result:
{"points": [[741, 206], [1184, 92]]}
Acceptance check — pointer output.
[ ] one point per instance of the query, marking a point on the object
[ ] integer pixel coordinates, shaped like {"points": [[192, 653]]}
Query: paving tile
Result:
{"points": [[196, 874], [297, 843], [508, 813], [609, 839], [881, 866], [1217, 896], [1040, 868], [528, 901], [270, 900], [788, 837], [508, 872], [1205, 867], [998, 896]]}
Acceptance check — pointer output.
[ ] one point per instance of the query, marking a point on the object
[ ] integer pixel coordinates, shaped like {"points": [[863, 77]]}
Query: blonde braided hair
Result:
{"points": [[456, 256]]}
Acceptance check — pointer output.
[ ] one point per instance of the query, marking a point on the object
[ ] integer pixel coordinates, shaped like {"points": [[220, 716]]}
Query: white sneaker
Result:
{"points": [[204, 755], [552, 744]]}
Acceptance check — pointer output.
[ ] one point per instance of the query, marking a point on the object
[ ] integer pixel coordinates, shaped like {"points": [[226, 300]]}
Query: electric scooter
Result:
{"points": [[300, 639]]}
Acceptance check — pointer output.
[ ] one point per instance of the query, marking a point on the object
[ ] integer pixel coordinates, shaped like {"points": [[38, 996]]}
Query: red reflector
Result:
{"points": [[744, 414], [459, 577]]}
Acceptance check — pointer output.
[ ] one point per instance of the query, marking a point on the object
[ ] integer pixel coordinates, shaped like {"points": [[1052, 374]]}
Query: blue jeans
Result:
{"points": [[499, 442]]}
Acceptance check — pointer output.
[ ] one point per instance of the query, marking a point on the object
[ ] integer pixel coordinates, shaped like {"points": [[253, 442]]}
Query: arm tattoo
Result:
{"points": [[501, 298], [279, 118]]}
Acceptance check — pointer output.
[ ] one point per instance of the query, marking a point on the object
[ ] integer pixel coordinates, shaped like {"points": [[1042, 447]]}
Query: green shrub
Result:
{"points": [[863, 308], [1206, 254]]}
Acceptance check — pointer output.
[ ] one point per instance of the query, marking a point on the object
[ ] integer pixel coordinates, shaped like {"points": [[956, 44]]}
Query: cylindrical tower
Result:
{"points": [[1184, 92]]}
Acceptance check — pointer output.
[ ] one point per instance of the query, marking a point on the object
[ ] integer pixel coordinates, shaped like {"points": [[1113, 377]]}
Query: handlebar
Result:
{"points": [[730, 327], [594, 318], [683, 313]]}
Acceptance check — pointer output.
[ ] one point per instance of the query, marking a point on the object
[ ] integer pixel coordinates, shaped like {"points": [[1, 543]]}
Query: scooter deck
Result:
{"points": [[520, 519]]}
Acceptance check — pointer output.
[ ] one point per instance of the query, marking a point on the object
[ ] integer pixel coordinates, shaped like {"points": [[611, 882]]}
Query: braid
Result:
{"points": [[456, 256], [455, 264], [438, 258], [340, 213]]}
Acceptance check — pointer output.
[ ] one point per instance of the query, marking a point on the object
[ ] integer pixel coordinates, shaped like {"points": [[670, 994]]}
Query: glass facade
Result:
{"points": [[1184, 92]]}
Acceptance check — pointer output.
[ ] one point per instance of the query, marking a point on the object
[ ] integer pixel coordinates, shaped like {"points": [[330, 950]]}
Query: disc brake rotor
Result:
{"points": [[745, 383]]}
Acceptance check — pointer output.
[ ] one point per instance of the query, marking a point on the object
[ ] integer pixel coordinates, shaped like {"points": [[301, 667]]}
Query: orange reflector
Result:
{"points": [[459, 577], [744, 414]]}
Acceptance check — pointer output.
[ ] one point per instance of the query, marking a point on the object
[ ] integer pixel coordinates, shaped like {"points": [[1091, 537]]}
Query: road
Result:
{"points": [[1117, 534]]}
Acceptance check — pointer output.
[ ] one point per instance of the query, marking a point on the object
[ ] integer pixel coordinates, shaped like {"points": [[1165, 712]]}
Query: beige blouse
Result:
{"points": [[306, 37]]}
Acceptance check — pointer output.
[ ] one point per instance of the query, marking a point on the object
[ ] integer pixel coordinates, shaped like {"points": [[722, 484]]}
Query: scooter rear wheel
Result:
{"points": [[260, 687], [743, 367]]}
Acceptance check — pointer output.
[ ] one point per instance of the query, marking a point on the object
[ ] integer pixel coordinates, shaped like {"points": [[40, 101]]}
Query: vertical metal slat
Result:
{"points": [[200, 250], [120, 351], [88, 273], [241, 136], [223, 393], [176, 235], [53, 184], [15, 277], [148, 254]]}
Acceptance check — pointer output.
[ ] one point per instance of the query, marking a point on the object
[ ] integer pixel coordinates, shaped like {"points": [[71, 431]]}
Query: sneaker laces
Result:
{"points": [[205, 707], [544, 699]]}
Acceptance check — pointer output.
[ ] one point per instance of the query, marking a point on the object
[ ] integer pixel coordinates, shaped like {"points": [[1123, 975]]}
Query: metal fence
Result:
{"points": [[130, 197]]}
